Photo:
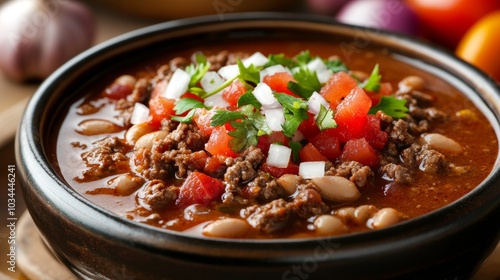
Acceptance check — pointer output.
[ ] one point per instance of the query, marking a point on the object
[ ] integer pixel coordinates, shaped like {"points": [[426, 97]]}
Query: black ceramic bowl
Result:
{"points": [[449, 243]]}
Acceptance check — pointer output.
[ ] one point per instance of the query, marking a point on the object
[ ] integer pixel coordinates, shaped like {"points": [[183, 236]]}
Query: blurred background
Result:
{"points": [[37, 36]]}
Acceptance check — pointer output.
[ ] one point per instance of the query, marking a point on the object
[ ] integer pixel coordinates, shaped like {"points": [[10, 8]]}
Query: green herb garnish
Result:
{"points": [[295, 111], [373, 82], [325, 120], [391, 106]]}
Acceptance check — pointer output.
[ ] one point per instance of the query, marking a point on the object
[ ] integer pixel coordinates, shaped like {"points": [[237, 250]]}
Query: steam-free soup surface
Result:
{"points": [[216, 168]]}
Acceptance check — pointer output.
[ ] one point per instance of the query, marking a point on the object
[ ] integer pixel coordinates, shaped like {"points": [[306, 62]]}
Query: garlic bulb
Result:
{"points": [[38, 36]]}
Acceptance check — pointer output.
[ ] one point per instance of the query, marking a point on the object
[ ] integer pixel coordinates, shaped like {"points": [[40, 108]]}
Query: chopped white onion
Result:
{"points": [[257, 59], [265, 96], [275, 118], [271, 70], [229, 71], [211, 81], [140, 113], [278, 155], [322, 72], [324, 75], [216, 101], [314, 103], [312, 169], [317, 65], [177, 85]]}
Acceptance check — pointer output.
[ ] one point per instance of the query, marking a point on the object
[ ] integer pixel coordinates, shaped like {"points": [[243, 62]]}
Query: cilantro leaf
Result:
{"points": [[336, 65], [250, 74], [244, 135], [304, 57], [391, 106], [197, 72], [373, 82], [221, 117], [295, 111], [249, 99], [325, 120], [295, 146], [307, 83], [200, 58], [256, 119], [185, 119], [185, 104], [248, 123], [281, 59]]}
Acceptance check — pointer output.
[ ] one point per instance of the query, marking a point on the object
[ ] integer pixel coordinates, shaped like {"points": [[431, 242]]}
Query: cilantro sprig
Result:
{"points": [[295, 111], [391, 106], [373, 82], [249, 124], [186, 105]]}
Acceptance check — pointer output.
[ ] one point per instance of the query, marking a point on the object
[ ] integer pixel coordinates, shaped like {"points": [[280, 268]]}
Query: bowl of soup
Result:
{"points": [[271, 146]]}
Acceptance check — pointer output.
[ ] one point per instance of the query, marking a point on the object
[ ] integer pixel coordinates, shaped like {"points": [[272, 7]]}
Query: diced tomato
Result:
{"points": [[337, 88], [279, 82], [310, 153], [233, 92], [373, 134], [160, 108], [351, 112], [275, 137], [360, 150], [218, 143], [385, 90], [308, 127], [202, 118], [214, 165], [278, 171], [199, 188], [328, 144]]}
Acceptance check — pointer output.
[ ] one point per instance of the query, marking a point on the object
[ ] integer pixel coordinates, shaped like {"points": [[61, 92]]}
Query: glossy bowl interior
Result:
{"points": [[93, 242]]}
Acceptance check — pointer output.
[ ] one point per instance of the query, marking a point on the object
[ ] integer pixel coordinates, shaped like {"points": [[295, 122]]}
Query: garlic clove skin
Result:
{"points": [[40, 35]]}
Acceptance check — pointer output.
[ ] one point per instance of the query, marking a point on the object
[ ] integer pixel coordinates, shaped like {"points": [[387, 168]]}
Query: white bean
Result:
{"points": [[442, 143], [345, 213], [329, 225], [363, 213], [126, 184], [97, 126], [288, 182], [411, 83], [147, 140], [136, 131], [228, 227], [385, 217], [126, 80], [336, 188]]}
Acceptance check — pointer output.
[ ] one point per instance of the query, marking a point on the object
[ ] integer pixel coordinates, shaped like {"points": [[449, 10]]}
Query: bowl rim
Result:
{"points": [[30, 147]]}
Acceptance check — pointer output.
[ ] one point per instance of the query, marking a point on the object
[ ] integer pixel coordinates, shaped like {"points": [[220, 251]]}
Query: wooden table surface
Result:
{"points": [[14, 97]]}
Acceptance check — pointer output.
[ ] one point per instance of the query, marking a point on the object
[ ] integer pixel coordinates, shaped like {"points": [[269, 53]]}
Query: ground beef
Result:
{"points": [[397, 173], [353, 171], [431, 161], [269, 217], [239, 173], [308, 203], [185, 136], [106, 157], [156, 195], [399, 134]]}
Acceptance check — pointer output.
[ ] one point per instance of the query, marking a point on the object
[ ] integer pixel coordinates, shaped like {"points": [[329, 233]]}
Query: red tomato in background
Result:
{"points": [[446, 21], [310, 153], [481, 44]]}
